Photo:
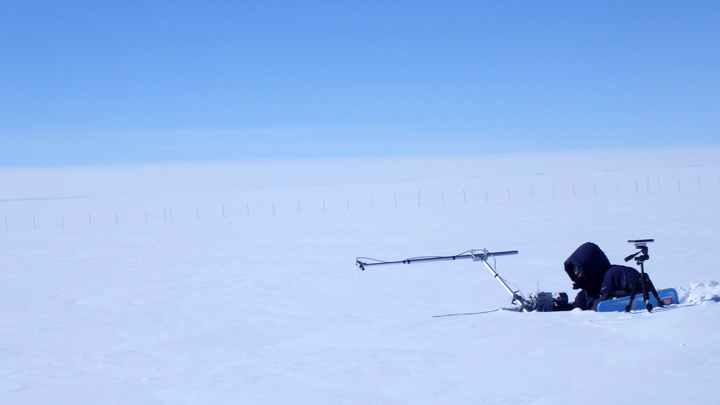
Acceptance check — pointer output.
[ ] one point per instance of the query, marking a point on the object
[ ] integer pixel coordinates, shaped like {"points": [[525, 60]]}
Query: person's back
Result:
{"points": [[618, 282]]}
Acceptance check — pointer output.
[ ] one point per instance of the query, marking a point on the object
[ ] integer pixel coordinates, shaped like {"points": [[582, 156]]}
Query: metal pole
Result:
{"points": [[480, 255], [474, 256], [516, 298]]}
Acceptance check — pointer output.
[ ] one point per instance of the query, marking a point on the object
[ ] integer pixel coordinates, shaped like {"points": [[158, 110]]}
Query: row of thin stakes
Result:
{"points": [[167, 215]]}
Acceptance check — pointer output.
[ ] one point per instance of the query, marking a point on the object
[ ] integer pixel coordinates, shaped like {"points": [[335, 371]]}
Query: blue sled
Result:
{"points": [[668, 296]]}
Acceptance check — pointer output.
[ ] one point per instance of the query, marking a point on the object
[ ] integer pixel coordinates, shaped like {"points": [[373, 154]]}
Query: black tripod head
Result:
{"points": [[642, 254]]}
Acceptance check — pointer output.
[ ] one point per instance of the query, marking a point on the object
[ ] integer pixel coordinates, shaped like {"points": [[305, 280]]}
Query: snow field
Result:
{"points": [[267, 309]]}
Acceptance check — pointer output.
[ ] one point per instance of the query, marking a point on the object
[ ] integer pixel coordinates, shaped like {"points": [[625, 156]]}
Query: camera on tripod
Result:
{"points": [[644, 280], [642, 255]]}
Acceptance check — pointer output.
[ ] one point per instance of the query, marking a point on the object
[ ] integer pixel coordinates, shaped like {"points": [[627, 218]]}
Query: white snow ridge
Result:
{"points": [[699, 291], [245, 295]]}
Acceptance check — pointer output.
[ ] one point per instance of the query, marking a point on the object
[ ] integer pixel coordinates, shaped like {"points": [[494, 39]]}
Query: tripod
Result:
{"points": [[644, 279]]}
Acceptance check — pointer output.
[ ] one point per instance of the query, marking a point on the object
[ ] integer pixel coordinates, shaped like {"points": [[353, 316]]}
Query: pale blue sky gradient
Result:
{"points": [[127, 81]]}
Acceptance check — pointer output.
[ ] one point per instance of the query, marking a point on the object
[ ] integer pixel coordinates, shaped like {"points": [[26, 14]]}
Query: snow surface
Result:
{"points": [[252, 296]]}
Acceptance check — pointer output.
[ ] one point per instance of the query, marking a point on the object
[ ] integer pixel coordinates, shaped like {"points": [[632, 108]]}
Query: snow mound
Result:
{"points": [[699, 292]]}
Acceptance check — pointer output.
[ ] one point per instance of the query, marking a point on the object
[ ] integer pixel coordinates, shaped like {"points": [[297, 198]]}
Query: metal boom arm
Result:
{"points": [[475, 255]]}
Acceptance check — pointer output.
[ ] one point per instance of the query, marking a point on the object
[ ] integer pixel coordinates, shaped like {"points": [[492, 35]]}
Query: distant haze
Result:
{"points": [[168, 178]]}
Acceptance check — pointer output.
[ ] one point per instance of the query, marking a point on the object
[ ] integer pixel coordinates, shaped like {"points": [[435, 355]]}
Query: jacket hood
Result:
{"points": [[591, 263]]}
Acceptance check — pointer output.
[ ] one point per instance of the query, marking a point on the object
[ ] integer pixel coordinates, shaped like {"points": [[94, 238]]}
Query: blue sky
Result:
{"points": [[127, 81]]}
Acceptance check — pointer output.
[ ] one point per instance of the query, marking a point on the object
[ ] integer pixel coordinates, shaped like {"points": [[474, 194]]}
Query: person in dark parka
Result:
{"points": [[597, 279]]}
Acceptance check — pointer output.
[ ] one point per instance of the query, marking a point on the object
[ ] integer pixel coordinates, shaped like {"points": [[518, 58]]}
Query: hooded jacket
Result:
{"points": [[591, 264], [597, 278]]}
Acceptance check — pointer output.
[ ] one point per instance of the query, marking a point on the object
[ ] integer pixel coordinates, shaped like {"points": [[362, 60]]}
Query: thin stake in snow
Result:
{"points": [[197, 213], [273, 208], [223, 210], [594, 189], [171, 218], [637, 190], [442, 195], [298, 207], [487, 199], [418, 196], [116, 219], [146, 216], [464, 198], [247, 207], [508, 191], [164, 214], [678, 183], [347, 203], [323, 205], [574, 193], [34, 225], [698, 182]]}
